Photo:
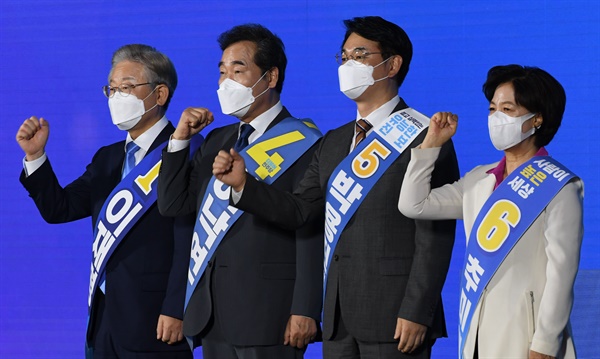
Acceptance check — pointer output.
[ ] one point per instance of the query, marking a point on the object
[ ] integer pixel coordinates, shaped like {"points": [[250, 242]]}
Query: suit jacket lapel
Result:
{"points": [[335, 149], [483, 188], [162, 137], [400, 106], [280, 117]]}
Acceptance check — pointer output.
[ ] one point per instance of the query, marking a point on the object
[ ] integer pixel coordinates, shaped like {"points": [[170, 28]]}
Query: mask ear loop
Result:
{"points": [[156, 104], [383, 78], [151, 92], [257, 81]]}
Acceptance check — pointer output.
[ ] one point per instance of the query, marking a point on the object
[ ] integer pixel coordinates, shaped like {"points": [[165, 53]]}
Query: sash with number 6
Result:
{"points": [[125, 205], [266, 159], [502, 221], [356, 175]]}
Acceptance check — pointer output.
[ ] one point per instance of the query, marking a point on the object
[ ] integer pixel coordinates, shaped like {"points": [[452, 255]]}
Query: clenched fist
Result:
{"points": [[33, 136], [192, 121]]}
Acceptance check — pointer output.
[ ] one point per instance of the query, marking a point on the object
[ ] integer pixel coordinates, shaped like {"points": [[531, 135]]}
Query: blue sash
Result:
{"points": [[266, 159], [125, 205], [354, 177], [502, 221]]}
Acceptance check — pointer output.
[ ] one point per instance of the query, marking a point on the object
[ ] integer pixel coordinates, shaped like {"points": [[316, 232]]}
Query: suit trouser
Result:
{"points": [[214, 345], [105, 347], [344, 345]]}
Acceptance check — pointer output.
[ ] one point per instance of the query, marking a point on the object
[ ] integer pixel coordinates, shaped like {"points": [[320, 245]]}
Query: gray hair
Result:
{"points": [[158, 68]]}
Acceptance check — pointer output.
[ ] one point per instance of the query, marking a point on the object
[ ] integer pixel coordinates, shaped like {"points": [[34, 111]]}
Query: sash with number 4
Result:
{"points": [[125, 205], [502, 221], [266, 159], [354, 177]]}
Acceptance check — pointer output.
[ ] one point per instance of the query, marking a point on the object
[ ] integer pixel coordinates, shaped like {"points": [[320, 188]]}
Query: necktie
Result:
{"points": [[130, 150], [361, 127], [242, 141]]}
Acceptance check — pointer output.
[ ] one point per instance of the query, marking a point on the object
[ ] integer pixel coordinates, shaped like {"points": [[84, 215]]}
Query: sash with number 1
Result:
{"points": [[266, 159], [358, 173], [126, 204], [502, 221]]}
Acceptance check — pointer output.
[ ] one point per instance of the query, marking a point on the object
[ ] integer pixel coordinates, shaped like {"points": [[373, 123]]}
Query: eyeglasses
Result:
{"points": [[124, 89], [359, 54]]}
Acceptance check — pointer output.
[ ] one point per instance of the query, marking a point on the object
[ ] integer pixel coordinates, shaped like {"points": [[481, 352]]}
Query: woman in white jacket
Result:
{"points": [[523, 310]]}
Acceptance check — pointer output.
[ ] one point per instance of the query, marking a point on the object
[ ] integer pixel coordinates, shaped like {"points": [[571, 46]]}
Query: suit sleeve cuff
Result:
{"points": [[544, 347], [236, 196], [177, 145], [32, 166]]}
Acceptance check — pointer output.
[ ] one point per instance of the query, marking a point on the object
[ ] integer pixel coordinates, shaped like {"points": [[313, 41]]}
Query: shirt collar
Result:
{"points": [[146, 139], [498, 171], [380, 114], [262, 121]]}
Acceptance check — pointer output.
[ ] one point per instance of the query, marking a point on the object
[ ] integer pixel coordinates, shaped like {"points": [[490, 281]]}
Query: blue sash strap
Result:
{"points": [[125, 205], [356, 175], [502, 221]]}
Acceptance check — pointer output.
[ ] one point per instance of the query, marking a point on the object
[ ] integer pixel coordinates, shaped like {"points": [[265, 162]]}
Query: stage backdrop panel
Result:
{"points": [[55, 57]]}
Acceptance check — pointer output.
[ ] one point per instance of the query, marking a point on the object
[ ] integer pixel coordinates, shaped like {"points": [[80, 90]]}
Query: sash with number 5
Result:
{"points": [[266, 159], [125, 205], [354, 177], [502, 221]]}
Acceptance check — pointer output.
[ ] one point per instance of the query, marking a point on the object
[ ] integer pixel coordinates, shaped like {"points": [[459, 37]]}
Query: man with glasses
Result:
{"points": [[384, 272], [139, 258], [254, 289]]}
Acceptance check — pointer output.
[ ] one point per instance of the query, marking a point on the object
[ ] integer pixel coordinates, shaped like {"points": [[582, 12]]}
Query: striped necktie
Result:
{"points": [[361, 127]]}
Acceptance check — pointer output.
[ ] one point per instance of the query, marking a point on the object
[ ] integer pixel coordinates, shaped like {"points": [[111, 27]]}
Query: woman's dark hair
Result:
{"points": [[536, 90]]}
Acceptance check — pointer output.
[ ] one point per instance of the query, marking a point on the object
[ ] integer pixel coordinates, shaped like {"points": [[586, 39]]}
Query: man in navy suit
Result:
{"points": [[260, 294], [136, 302]]}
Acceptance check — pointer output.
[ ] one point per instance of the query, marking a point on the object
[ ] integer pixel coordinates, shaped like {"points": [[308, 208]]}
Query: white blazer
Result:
{"points": [[527, 303]]}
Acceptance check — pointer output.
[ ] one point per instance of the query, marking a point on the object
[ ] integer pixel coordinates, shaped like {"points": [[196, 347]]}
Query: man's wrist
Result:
{"points": [[240, 188], [175, 136], [34, 156]]}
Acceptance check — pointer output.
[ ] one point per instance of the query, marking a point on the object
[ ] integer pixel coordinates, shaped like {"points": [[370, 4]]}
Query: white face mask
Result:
{"points": [[127, 110], [355, 77], [506, 131], [235, 98]]}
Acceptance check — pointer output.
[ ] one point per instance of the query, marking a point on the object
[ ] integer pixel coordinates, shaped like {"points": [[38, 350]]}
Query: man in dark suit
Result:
{"points": [[136, 309], [260, 294], [387, 271]]}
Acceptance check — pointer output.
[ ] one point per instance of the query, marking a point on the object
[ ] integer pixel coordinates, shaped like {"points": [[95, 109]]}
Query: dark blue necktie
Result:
{"points": [[130, 150], [242, 141]]}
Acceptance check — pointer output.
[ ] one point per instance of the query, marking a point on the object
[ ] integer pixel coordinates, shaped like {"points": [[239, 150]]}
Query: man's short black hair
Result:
{"points": [[391, 38]]}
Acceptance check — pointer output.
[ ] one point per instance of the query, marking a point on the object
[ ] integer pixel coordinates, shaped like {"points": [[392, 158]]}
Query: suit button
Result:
{"points": [[336, 257], [209, 264]]}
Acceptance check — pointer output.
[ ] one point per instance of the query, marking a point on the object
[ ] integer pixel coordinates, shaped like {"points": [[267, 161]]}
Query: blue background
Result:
{"points": [[55, 57]]}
